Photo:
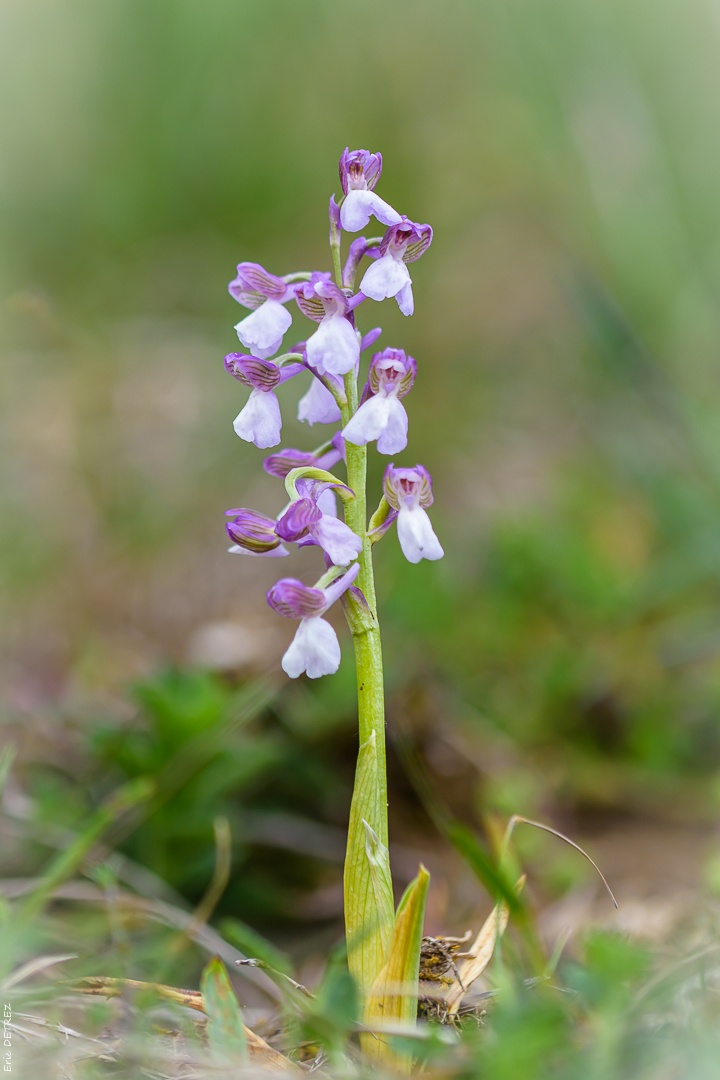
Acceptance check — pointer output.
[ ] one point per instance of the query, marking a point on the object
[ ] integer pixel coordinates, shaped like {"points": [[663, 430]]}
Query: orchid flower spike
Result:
{"points": [[315, 647], [259, 421], [334, 346], [381, 415], [389, 276], [265, 294], [312, 519], [253, 533], [359, 173], [409, 491]]}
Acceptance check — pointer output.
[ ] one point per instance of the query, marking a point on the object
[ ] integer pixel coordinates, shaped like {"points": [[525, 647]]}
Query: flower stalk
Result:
{"points": [[383, 947]]}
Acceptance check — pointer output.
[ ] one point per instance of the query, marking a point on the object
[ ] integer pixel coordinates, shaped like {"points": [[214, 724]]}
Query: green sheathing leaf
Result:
{"points": [[225, 1029], [393, 998], [368, 885]]}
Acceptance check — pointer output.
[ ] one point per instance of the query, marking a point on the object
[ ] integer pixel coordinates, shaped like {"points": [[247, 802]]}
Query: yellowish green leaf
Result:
{"points": [[225, 1028], [393, 998]]}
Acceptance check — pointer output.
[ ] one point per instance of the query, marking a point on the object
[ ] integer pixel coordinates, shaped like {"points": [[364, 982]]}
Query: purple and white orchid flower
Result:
{"points": [[312, 519], [381, 415], [259, 421], [253, 533], [389, 276], [315, 648], [359, 173], [334, 347], [409, 491], [265, 294], [318, 406]]}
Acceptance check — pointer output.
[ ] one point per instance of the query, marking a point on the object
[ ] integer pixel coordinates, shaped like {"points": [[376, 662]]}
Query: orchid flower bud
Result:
{"points": [[359, 173], [315, 648], [382, 416], [389, 276], [265, 294], [409, 491]]}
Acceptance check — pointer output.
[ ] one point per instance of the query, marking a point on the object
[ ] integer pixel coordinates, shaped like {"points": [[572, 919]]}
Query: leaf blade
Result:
{"points": [[225, 1028]]}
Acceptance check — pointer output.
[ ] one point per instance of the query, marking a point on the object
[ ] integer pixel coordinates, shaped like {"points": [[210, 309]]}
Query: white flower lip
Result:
{"points": [[315, 649], [260, 421], [334, 347], [360, 205], [416, 536], [262, 330], [382, 418]]}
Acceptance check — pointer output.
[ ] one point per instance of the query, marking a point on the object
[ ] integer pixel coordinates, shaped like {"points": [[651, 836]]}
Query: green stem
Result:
{"points": [[368, 908]]}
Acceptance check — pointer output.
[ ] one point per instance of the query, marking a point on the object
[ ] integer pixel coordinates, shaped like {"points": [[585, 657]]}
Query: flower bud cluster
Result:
{"points": [[331, 355]]}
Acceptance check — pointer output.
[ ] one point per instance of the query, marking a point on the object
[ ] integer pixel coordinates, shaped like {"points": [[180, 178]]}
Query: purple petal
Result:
{"points": [[392, 369], [337, 539], [293, 600], [285, 461], [252, 530], [408, 239], [407, 487], [370, 338], [254, 284], [334, 592], [252, 371], [320, 296], [359, 169], [293, 524]]}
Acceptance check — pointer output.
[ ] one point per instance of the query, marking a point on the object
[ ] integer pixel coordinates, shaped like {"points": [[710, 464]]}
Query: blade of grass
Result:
{"points": [[225, 1028], [101, 986], [68, 861]]}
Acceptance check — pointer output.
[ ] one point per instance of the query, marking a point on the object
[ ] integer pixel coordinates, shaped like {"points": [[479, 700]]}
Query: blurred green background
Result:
{"points": [[563, 660]]}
